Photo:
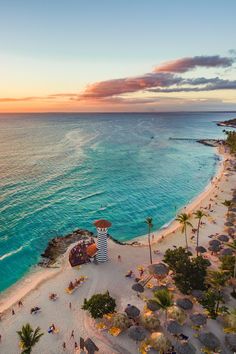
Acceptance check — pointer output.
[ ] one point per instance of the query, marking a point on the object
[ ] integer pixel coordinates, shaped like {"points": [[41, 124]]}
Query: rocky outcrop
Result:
{"points": [[58, 246], [228, 123]]}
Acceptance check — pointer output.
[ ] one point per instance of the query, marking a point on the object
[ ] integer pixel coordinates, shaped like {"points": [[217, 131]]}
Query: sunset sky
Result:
{"points": [[117, 55]]}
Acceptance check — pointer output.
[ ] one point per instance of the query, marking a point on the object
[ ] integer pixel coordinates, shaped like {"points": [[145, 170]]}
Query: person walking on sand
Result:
{"points": [[12, 312], [20, 303], [70, 306], [119, 258], [72, 335], [64, 345], [76, 345], [0, 338]]}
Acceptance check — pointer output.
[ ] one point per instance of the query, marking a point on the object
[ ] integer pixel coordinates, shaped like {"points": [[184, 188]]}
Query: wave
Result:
{"points": [[9, 254]]}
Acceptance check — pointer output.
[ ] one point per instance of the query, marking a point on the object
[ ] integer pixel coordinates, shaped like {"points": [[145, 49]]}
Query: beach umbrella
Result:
{"points": [[184, 303], [153, 351], [209, 340], [153, 305], [214, 243], [223, 238], [233, 209], [138, 287], [174, 327], [228, 223], [230, 341], [159, 287], [137, 333], [150, 321], [231, 230], [201, 249], [177, 314], [185, 348], [158, 269], [132, 311], [214, 249], [159, 341], [198, 294], [199, 319], [90, 346], [226, 252]]}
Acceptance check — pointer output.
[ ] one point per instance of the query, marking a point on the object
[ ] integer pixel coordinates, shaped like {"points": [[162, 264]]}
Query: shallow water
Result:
{"points": [[60, 172]]}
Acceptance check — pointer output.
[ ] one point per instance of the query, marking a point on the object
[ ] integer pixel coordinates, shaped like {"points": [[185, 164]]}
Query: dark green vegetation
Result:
{"points": [[231, 140], [99, 305], [189, 272]]}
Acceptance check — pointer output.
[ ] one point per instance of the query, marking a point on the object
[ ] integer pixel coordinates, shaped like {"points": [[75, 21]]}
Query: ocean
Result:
{"points": [[60, 172]]}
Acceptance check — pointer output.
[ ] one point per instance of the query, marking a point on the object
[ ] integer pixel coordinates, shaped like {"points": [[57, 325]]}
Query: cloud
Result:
{"points": [[186, 64]]}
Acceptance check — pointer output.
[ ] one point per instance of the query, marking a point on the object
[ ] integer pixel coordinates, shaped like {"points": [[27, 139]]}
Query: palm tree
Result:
{"points": [[164, 299], [28, 338], [150, 226], [228, 204], [183, 219], [217, 280], [199, 214], [233, 246]]}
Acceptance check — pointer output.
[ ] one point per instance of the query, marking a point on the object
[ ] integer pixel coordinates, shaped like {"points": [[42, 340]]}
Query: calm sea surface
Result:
{"points": [[60, 172]]}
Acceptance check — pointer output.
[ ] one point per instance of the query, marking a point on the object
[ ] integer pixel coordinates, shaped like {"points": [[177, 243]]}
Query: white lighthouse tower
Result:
{"points": [[102, 227]]}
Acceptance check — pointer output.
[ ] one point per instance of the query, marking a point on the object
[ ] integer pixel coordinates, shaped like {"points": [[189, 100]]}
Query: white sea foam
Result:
{"points": [[9, 254]]}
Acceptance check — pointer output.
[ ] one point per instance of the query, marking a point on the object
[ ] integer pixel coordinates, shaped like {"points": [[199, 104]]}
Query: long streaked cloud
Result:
{"points": [[186, 64], [165, 78], [162, 78]]}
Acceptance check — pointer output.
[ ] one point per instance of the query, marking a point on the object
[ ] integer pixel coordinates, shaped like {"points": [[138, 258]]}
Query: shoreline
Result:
{"points": [[39, 275]]}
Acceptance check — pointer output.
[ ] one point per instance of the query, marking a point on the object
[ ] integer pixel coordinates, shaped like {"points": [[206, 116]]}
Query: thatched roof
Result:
{"points": [[137, 333], [199, 319], [214, 248], [201, 249], [230, 341], [153, 351], [198, 294], [90, 346], [103, 224], [132, 311], [214, 243], [209, 340], [152, 305], [174, 327], [138, 287], [223, 238], [159, 269], [228, 223], [185, 348], [226, 252], [184, 303]]}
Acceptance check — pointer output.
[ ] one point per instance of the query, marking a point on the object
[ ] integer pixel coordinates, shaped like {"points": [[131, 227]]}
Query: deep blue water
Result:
{"points": [[60, 172]]}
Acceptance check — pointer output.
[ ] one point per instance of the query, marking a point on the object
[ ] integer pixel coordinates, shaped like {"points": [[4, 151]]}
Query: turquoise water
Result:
{"points": [[60, 172]]}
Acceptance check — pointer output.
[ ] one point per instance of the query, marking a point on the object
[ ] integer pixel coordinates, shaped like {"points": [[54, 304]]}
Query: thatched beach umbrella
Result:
{"points": [[201, 249], [214, 243], [120, 320], [223, 238], [185, 348], [230, 341], [132, 311], [209, 340], [214, 249], [174, 327], [137, 333], [229, 224], [153, 351], [198, 294], [90, 346], [158, 270], [184, 303], [199, 319], [177, 314], [231, 230], [159, 341], [153, 305], [150, 321], [138, 288], [226, 252], [159, 287]]}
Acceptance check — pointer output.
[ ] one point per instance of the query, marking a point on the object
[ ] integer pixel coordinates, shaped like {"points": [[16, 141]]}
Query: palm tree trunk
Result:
{"points": [[186, 239], [149, 244], [198, 227]]}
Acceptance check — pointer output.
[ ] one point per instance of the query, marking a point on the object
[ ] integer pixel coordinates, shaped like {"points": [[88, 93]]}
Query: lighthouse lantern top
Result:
{"points": [[102, 224]]}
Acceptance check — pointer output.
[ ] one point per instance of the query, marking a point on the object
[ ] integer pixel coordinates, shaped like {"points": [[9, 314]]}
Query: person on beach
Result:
{"points": [[12, 312], [152, 237], [72, 334], [119, 258], [20, 303], [0, 338], [64, 345], [70, 306], [76, 345]]}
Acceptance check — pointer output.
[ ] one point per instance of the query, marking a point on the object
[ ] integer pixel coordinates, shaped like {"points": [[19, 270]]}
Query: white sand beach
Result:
{"points": [[34, 289]]}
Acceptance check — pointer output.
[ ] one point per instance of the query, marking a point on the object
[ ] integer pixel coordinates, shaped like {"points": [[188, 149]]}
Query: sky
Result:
{"points": [[117, 55]]}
